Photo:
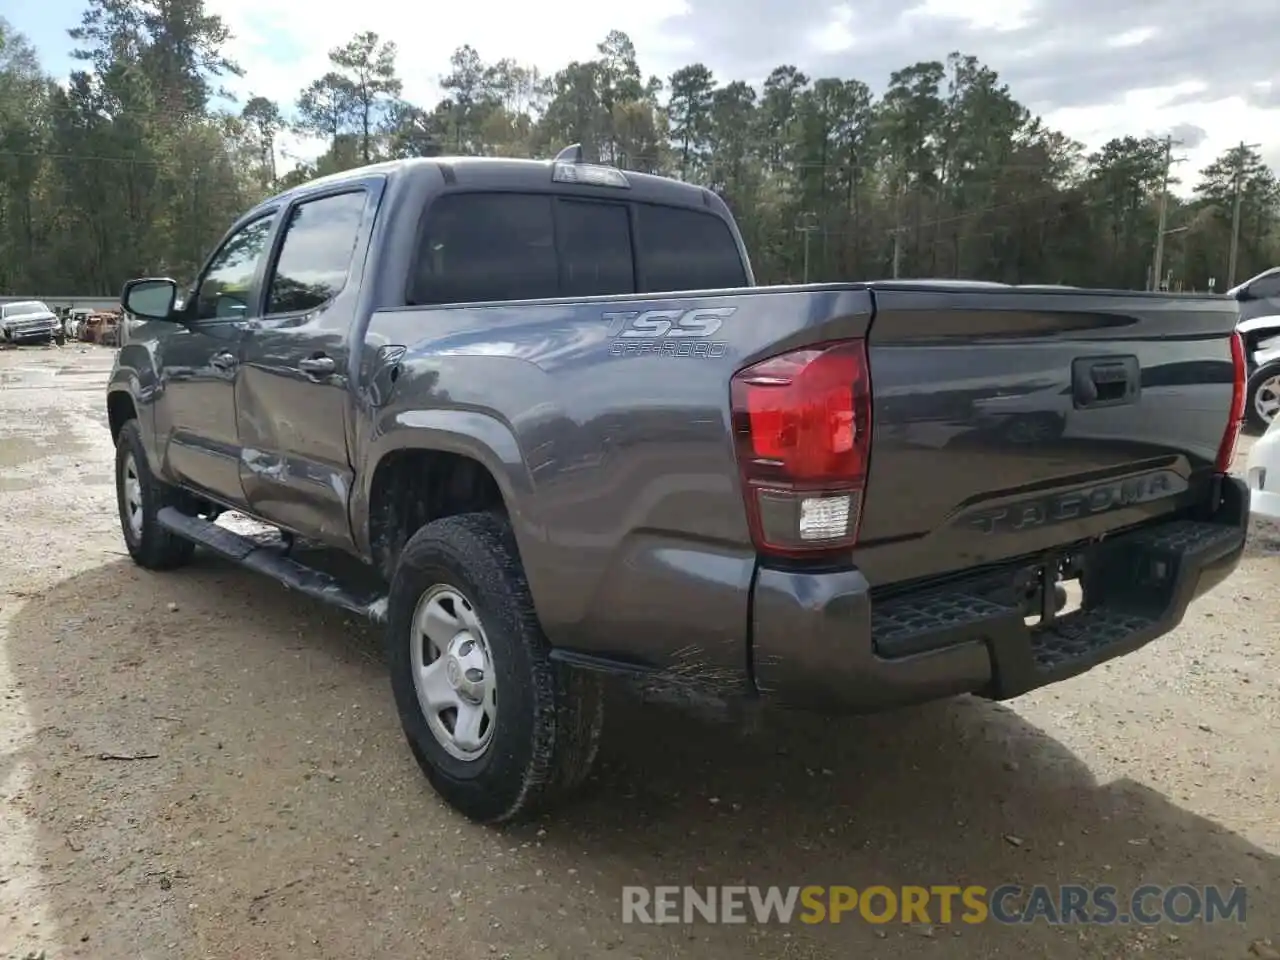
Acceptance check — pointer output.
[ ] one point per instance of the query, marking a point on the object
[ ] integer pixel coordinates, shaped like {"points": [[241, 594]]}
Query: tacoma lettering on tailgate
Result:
{"points": [[1045, 510]]}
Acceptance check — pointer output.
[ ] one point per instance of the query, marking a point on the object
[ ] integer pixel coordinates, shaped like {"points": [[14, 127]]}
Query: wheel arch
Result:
{"points": [[1257, 379], [438, 463], [121, 408]]}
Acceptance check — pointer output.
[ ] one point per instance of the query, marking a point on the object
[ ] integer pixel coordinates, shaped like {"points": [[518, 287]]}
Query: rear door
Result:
{"points": [[293, 400]]}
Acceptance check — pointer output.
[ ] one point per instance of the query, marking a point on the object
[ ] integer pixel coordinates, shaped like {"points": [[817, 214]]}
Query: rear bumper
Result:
{"points": [[819, 641]]}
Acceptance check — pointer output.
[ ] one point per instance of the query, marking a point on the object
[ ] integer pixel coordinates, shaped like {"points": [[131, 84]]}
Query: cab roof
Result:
{"points": [[505, 173]]}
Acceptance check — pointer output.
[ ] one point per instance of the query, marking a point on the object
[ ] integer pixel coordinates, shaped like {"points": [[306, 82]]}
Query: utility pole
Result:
{"points": [[806, 225], [1235, 212], [897, 231], [1158, 265]]}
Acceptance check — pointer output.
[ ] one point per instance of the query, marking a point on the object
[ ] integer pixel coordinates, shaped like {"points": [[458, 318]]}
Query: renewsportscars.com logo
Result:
{"points": [[1076, 904]]}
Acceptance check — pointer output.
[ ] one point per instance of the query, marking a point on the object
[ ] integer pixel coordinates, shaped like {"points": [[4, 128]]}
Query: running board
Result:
{"points": [[269, 560]]}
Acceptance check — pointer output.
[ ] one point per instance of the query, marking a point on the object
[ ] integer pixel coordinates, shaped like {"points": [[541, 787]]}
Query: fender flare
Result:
{"points": [[125, 381], [481, 437]]}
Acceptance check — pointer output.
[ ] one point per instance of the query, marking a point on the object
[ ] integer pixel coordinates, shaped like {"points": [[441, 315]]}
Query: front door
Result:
{"points": [[199, 364], [292, 397]]}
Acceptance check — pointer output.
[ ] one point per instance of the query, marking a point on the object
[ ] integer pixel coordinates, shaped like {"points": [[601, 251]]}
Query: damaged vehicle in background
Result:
{"points": [[27, 321]]}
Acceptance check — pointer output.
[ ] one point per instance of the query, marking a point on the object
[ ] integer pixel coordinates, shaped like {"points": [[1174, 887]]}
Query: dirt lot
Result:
{"points": [[271, 810]]}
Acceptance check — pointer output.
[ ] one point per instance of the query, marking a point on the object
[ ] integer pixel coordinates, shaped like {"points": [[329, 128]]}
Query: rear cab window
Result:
{"points": [[681, 249], [482, 247]]}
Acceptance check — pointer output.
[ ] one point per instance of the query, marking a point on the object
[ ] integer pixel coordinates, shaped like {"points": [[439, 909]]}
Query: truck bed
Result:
{"points": [[617, 441]]}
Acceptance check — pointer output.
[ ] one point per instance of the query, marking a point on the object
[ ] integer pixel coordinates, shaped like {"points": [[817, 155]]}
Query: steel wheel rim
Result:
{"points": [[132, 496], [453, 673], [1266, 399]]}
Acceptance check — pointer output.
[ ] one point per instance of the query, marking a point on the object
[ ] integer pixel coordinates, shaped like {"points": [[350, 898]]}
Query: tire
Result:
{"points": [[1261, 383], [540, 740], [149, 544]]}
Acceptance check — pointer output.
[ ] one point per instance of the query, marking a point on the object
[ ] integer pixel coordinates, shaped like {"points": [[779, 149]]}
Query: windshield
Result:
{"points": [[22, 309]]}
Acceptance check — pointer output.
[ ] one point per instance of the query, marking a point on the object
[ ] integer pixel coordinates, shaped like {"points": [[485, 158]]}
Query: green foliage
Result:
{"points": [[131, 167]]}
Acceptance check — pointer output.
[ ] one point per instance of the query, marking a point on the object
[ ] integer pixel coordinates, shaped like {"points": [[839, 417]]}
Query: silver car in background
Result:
{"points": [[27, 321]]}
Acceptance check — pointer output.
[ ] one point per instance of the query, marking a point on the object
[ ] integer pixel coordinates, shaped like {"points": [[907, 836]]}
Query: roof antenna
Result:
{"points": [[570, 154]]}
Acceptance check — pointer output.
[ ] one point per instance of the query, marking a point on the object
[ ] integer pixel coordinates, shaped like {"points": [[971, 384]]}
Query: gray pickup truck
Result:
{"points": [[543, 406]]}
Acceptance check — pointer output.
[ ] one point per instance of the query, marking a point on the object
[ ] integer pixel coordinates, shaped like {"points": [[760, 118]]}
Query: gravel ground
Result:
{"points": [[201, 764]]}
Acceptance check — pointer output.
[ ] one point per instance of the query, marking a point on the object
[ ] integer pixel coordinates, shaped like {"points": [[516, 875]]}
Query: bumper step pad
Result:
{"points": [[1137, 586]]}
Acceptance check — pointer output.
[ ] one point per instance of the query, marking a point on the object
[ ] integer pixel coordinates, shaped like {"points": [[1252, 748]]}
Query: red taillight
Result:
{"points": [[802, 426], [1227, 449]]}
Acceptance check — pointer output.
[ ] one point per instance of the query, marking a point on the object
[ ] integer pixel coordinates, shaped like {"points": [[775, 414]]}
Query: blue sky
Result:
{"points": [[46, 24], [1094, 69]]}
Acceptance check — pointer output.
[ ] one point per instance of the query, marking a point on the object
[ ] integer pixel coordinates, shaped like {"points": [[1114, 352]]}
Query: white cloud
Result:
{"points": [[836, 35], [1226, 122], [284, 44], [995, 15], [1132, 38]]}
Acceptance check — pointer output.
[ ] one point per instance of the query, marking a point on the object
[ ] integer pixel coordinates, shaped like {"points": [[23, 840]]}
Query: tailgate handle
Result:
{"points": [[1105, 381]]}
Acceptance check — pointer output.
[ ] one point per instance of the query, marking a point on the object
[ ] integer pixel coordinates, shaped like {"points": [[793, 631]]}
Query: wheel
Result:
{"points": [[140, 497], [500, 730], [1262, 396]]}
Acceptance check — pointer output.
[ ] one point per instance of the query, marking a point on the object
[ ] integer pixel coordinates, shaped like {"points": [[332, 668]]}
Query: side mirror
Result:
{"points": [[152, 298]]}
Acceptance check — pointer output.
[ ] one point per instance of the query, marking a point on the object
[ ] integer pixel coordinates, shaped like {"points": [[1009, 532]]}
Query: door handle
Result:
{"points": [[223, 361], [321, 366], [1105, 381]]}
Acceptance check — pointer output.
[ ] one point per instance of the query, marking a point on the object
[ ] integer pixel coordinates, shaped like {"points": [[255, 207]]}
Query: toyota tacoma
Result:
{"points": [[542, 413]]}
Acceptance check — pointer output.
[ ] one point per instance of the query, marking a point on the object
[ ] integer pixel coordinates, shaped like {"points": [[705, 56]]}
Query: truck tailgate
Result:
{"points": [[1009, 421]]}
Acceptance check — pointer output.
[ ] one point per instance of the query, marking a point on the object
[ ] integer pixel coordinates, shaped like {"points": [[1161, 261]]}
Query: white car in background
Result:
{"points": [[1262, 395], [27, 321], [1261, 336], [1263, 474]]}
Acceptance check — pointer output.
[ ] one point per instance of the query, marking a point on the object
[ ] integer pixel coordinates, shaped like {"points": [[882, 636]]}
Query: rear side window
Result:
{"points": [[316, 256], [679, 249], [487, 246], [594, 244]]}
